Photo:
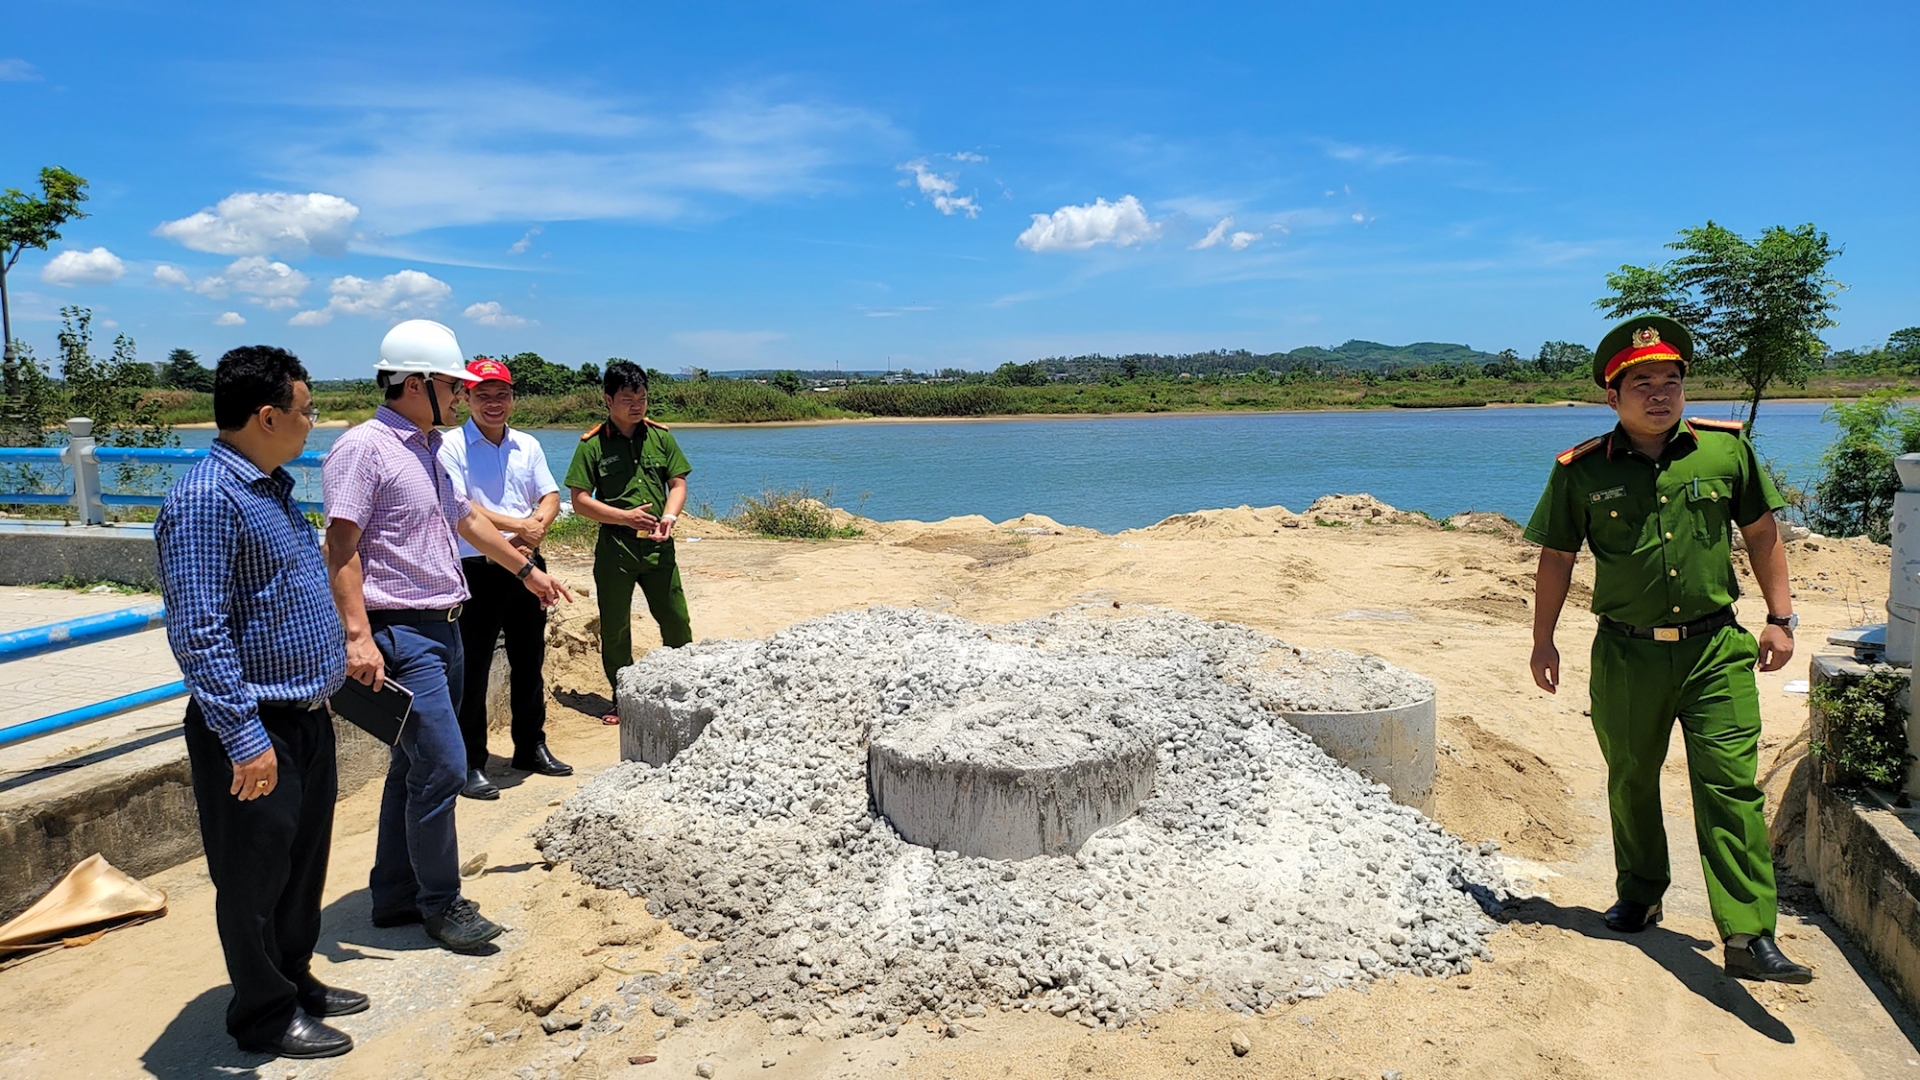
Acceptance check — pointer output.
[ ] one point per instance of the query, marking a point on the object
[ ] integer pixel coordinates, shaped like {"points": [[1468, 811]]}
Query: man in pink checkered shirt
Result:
{"points": [[392, 515]]}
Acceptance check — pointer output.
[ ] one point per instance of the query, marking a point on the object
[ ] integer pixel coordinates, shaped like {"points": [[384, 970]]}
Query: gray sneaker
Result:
{"points": [[462, 928]]}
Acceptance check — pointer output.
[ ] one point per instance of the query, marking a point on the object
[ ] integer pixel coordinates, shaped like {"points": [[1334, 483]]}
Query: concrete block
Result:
{"points": [[1394, 747], [131, 802], [655, 729], [1863, 855], [35, 552], [957, 802]]}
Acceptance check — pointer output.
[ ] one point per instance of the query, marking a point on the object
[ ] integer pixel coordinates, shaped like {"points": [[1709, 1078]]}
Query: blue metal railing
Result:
{"points": [[37, 640], [83, 458]]}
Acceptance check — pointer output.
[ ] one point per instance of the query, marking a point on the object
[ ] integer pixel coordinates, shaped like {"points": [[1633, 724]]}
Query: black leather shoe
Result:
{"points": [[1627, 917], [462, 928], [541, 760], [478, 786], [387, 920], [305, 1037], [321, 1000], [1762, 961]]}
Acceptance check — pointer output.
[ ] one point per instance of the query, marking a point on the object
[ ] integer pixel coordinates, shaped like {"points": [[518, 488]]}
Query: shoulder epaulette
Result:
{"points": [[651, 422], [592, 431], [1734, 426], [1574, 453]]}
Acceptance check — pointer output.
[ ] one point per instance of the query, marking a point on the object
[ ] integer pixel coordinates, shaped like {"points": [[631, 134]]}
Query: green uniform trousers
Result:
{"points": [[617, 568], [1639, 688]]}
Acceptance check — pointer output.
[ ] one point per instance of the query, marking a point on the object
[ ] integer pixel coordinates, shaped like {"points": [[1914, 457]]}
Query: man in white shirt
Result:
{"points": [[504, 474]]}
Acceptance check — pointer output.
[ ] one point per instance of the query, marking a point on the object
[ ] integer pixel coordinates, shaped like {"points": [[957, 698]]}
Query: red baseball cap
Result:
{"points": [[485, 370]]}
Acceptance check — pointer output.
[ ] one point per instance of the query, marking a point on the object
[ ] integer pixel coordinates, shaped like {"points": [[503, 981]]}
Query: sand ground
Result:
{"points": [[1563, 997]]}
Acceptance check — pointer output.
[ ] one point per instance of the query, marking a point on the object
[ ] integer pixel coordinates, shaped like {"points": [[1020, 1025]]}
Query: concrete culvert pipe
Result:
{"points": [[979, 781], [1387, 746]]}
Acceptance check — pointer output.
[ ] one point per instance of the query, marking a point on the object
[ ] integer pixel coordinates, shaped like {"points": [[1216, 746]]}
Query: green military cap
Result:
{"points": [[1639, 340]]}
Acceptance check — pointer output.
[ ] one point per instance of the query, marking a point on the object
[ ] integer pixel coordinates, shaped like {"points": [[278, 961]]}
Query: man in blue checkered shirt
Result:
{"points": [[252, 624]]}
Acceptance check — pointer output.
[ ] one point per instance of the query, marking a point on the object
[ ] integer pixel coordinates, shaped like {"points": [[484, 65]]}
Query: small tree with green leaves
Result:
{"points": [[787, 382], [1853, 495], [1756, 307], [110, 392], [28, 222]]}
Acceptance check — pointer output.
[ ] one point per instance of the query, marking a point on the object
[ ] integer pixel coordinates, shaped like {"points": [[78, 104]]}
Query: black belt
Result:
{"points": [[414, 616], [295, 706], [1706, 625]]}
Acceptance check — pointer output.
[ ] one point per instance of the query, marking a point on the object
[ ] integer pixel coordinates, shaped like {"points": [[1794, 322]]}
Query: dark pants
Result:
{"points": [[500, 602], [1639, 688], [268, 861], [416, 861], [620, 565]]}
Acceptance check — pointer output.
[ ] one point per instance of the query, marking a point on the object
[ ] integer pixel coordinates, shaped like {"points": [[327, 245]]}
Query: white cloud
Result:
{"points": [[895, 312], [268, 223], [490, 150], [1214, 235], [939, 190], [1374, 156], [1242, 239], [521, 245], [491, 313], [1076, 228], [968, 155], [230, 318], [74, 267], [17, 70], [273, 284], [402, 295]]}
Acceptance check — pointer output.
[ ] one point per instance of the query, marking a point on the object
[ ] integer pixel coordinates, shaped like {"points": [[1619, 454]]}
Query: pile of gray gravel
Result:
{"points": [[1259, 870]]}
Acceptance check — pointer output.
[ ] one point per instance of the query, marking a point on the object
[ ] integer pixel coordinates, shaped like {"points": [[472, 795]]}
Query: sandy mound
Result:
{"points": [[1218, 524]]}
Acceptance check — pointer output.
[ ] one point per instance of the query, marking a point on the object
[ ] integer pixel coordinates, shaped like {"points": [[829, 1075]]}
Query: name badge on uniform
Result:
{"points": [[1610, 493]]}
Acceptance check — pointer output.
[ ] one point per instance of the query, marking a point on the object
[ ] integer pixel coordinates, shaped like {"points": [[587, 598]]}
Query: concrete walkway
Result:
{"points": [[70, 678]]}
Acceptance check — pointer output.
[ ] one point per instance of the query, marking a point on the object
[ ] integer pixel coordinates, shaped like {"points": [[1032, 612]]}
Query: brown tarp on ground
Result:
{"points": [[92, 899]]}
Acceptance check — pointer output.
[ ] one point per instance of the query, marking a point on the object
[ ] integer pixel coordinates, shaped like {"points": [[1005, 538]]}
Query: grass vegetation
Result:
{"points": [[794, 514]]}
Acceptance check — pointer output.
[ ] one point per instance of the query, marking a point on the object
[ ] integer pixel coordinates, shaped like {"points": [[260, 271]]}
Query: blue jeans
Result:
{"points": [[416, 862]]}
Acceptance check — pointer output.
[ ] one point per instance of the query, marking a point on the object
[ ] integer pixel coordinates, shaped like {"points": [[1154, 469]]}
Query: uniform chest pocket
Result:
{"points": [[1615, 521], [1710, 501]]}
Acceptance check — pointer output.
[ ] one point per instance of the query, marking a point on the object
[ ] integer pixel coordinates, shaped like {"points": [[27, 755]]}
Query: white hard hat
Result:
{"points": [[423, 347]]}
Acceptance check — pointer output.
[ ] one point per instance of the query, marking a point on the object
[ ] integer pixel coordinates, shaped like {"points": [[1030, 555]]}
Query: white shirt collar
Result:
{"points": [[475, 435]]}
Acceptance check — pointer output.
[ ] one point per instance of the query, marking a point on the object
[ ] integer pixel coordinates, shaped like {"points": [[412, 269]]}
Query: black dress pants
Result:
{"points": [[499, 601], [268, 861]]}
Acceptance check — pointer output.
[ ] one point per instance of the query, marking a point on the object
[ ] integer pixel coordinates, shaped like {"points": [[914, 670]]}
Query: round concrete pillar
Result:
{"points": [[942, 786], [1388, 746]]}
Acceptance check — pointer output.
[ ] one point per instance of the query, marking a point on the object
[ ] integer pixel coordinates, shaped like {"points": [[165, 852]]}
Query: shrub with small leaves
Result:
{"points": [[1866, 727]]}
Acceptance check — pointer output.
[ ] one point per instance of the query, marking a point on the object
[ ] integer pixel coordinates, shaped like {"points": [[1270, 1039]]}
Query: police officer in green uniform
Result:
{"points": [[1656, 501], [629, 475]]}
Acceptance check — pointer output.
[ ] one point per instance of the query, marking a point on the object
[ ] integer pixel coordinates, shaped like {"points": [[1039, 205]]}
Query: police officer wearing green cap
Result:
{"points": [[1656, 500]]}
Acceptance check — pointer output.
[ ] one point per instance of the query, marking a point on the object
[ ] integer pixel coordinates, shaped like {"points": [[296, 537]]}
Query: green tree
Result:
{"points": [[26, 222], [1853, 495], [1129, 368], [1904, 345], [110, 391], [1012, 374], [183, 371], [1756, 307], [787, 382], [590, 375], [1557, 359]]}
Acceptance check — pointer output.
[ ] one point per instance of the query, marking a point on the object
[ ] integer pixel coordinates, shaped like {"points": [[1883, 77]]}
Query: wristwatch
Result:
{"points": [[524, 571], [1789, 623]]}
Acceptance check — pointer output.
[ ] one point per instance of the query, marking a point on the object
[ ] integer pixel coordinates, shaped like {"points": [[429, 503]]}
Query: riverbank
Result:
{"points": [[727, 402], [1561, 997]]}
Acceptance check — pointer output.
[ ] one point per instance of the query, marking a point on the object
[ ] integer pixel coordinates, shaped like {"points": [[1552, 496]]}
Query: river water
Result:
{"points": [[1123, 472]]}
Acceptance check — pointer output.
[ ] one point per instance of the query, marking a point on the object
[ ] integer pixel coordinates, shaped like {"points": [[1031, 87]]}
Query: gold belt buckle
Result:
{"points": [[1666, 633]]}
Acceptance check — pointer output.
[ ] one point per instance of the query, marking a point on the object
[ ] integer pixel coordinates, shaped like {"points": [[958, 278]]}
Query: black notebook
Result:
{"points": [[382, 714]]}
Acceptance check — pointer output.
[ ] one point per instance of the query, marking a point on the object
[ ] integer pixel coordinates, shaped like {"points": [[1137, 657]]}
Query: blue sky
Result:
{"points": [[920, 185]]}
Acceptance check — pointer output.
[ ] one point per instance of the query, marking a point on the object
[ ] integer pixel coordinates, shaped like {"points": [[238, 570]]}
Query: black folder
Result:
{"points": [[382, 714]]}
